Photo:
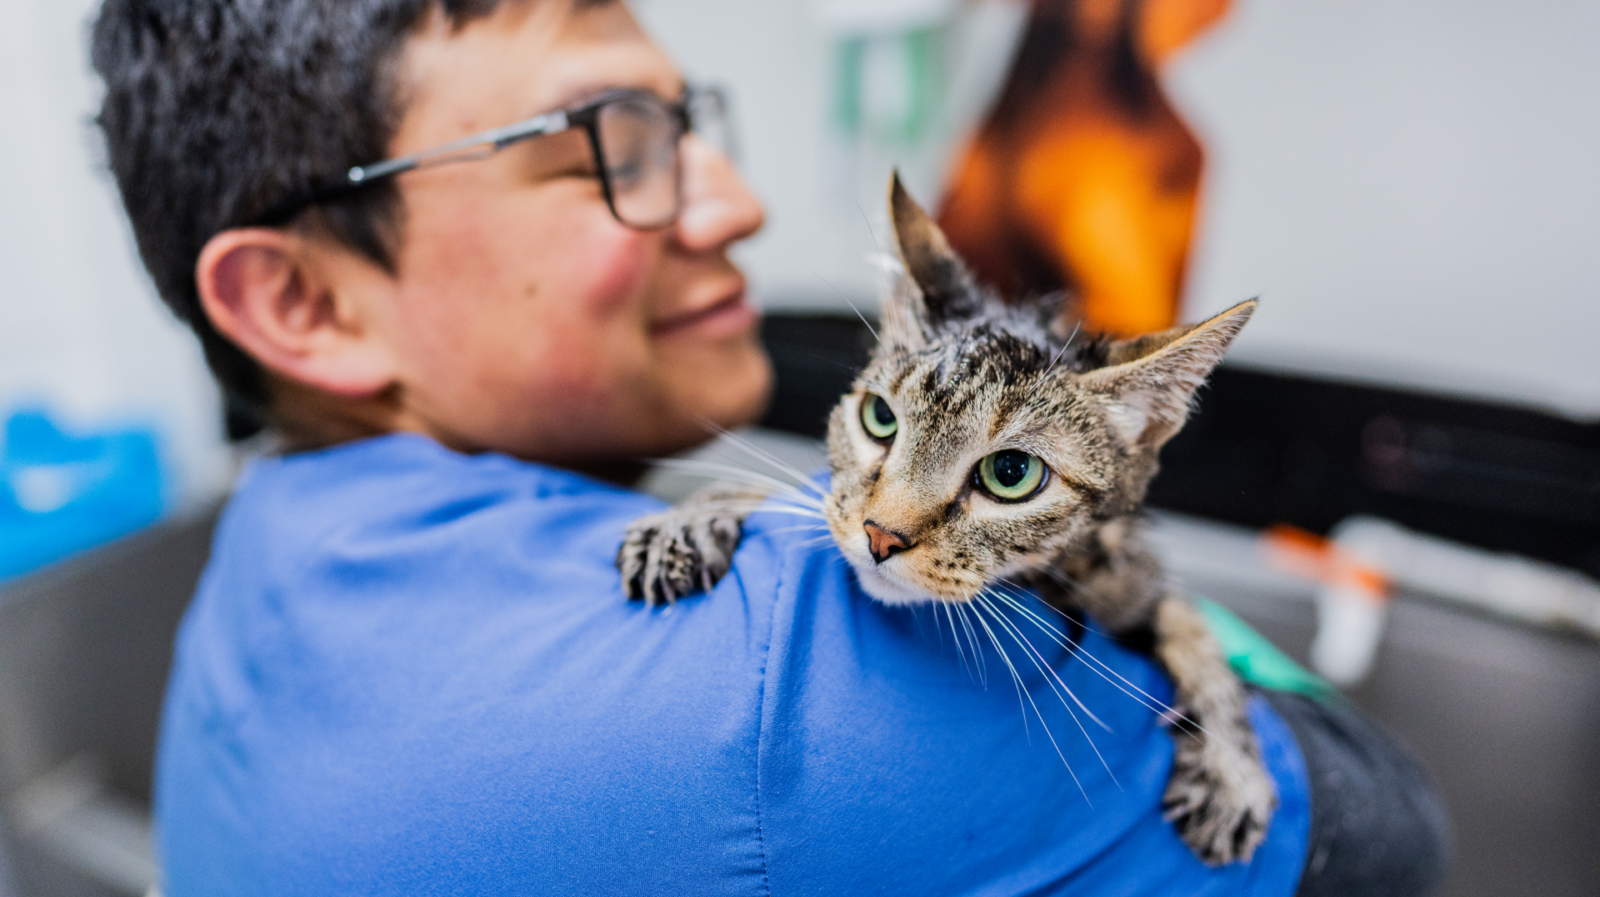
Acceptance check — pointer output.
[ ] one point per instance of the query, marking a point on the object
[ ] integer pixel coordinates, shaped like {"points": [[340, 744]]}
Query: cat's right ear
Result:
{"points": [[1151, 380], [947, 289]]}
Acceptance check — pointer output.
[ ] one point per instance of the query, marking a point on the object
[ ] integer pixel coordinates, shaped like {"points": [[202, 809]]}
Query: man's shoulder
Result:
{"points": [[428, 546], [394, 583], [451, 657], [401, 487]]}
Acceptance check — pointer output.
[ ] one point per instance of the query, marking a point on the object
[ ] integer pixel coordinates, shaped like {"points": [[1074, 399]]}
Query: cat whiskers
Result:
{"points": [[982, 600], [1059, 353], [713, 470], [972, 641], [1054, 680], [744, 506], [840, 293], [955, 635], [937, 607], [1061, 578], [1024, 693], [1099, 667], [803, 528], [800, 478], [989, 605], [747, 506]]}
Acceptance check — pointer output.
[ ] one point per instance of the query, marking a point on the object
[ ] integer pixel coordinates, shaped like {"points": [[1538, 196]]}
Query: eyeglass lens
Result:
{"points": [[639, 140], [708, 116], [639, 143]]}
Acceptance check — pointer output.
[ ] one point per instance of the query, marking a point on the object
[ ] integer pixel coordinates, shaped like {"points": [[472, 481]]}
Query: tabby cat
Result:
{"points": [[981, 444]]}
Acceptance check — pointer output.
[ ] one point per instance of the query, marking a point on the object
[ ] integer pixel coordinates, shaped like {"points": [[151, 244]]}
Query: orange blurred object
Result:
{"points": [[1294, 550], [1083, 177]]}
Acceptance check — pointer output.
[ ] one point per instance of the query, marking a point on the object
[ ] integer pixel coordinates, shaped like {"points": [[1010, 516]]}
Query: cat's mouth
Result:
{"points": [[888, 582], [889, 589]]}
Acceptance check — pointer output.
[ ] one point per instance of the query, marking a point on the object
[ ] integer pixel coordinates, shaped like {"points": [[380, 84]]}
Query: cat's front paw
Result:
{"points": [[1220, 796], [681, 550]]}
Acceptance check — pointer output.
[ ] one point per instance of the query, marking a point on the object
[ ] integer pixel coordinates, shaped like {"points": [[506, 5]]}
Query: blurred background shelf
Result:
{"points": [[84, 650]]}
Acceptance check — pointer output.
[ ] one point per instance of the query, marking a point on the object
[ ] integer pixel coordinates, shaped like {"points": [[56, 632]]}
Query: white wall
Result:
{"points": [[80, 327], [1412, 186]]}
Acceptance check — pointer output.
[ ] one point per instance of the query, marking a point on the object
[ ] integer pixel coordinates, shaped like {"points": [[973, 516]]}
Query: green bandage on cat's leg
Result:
{"points": [[1258, 661]]}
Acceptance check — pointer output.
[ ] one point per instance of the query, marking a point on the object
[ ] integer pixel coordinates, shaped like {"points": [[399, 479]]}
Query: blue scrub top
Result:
{"points": [[409, 671]]}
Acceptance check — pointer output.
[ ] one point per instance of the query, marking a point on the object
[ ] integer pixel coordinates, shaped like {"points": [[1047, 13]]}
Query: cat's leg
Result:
{"points": [[687, 547], [1220, 795]]}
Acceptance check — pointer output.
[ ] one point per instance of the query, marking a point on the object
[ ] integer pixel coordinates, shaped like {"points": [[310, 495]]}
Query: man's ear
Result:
{"points": [[1152, 379], [269, 292]]}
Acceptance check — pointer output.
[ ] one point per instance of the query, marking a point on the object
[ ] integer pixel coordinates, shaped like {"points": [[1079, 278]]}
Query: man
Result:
{"points": [[460, 255]]}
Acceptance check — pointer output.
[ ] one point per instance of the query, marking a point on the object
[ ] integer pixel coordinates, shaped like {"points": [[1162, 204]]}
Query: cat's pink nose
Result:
{"points": [[882, 543]]}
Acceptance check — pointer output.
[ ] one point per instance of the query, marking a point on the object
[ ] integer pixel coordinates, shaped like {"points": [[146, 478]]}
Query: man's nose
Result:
{"points": [[882, 543], [718, 207]]}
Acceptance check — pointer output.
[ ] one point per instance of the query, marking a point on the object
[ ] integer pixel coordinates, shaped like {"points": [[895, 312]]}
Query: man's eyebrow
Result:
{"points": [[580, 93]]}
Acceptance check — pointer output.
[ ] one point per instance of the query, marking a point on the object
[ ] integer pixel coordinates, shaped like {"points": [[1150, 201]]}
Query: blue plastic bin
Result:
{"points": [[61, 493]]}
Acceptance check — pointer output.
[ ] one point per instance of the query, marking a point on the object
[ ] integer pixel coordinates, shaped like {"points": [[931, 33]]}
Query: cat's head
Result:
{"points": [[982, 441]]}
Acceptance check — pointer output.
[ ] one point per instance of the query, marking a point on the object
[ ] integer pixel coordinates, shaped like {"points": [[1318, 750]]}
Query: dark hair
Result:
{"points": [[218, 112]]}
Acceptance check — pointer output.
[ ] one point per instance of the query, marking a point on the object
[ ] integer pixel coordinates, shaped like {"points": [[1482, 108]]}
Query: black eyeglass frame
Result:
{"points": [[484, 144]]}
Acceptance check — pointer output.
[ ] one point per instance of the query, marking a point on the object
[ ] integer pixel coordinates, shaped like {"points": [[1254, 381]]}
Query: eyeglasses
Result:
{"points": [[634, 138]]}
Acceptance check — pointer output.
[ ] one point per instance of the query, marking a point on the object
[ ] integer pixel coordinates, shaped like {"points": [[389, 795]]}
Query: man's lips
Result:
{"points": [[732, 313]]}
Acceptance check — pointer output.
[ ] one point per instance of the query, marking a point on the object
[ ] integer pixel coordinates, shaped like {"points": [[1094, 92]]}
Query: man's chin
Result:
{"points": [[732, 390]]}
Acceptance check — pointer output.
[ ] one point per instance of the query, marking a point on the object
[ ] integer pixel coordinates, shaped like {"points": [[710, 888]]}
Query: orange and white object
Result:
{"points": [[1507, 585], [1352, 601], [1367, 558]]}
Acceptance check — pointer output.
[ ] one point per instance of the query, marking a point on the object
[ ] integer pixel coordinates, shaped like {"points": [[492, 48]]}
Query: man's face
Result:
{"points": [[523, 316]]}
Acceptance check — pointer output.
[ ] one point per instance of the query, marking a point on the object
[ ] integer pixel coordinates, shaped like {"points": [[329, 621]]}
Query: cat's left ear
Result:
{"points": [[947, 288], [1152, 379]]}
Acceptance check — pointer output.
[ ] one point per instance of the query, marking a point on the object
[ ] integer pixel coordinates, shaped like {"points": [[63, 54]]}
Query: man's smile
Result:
{"points": [[724, 312]]}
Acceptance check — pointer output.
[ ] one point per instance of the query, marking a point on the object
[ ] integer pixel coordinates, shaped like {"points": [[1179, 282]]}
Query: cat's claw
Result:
{"points": [[677, 552], [1220, 797]]}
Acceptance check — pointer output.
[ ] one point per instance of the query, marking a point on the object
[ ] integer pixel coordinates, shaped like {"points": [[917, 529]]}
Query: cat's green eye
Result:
{"points": [[1011, 475], [878, 418]]}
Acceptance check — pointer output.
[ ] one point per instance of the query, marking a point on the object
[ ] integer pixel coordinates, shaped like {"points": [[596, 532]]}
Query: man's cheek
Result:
{"points": [[604, 366], [608, 277]]}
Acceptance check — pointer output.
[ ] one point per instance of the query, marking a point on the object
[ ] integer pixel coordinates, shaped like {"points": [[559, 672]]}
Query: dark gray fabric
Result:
{"points": [[1378, 827]]}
